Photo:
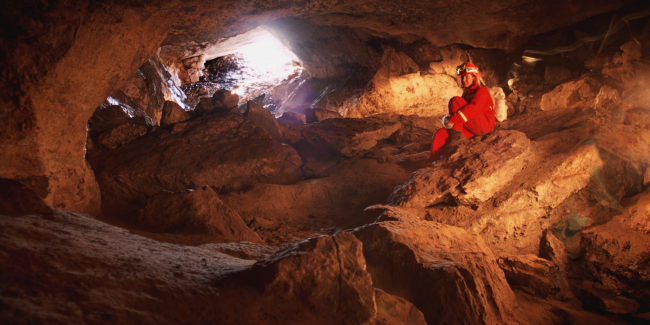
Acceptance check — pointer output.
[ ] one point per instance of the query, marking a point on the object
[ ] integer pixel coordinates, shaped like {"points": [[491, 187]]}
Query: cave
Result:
{"points": [[251, 162]]}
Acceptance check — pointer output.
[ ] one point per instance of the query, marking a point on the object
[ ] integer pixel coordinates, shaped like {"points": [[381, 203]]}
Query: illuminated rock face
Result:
{"points": [[564, 179]]}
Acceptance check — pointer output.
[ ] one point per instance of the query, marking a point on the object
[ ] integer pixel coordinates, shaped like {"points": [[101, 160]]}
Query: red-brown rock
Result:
{"points": [[532, 272], [173, 113], [17, 199], [599, 297], [225, 151], [194, 212], [264, 119], [616, 253], [445, 271], [327, 274], [393, 310], [473, 174], [121, 135], [348, 137], [313, 115], [98, 273]]}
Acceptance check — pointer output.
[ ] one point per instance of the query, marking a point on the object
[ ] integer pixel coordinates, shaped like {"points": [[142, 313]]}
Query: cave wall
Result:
{"points": [[62, 59]]}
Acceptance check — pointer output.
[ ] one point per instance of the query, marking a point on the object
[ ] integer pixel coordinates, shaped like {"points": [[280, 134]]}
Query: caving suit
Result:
{"points": [[471, 114]]}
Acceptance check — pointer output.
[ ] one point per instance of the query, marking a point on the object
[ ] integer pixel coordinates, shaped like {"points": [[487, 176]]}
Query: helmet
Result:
{"points": [[467, 68]]}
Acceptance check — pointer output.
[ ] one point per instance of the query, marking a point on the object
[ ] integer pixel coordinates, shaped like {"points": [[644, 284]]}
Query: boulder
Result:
{"points": [[555, 75], [292, 118], [552, 249], [348, 137], [314, 168], [573, 93], [224, 100], [326, 274], [105, 119], [18, 199], [393, 310], [512, 219], [599, 297], [313, 115], [264, 119], [121, 135], [101, 273], [221, 101], [173, 113], [473, 174], [616, 253], [620, 128], [445, 271], [194, 212], [279, 213], [225, 151], [530, 271]]}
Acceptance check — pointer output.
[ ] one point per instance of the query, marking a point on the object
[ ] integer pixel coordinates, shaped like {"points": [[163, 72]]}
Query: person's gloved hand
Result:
{"points": [[446, 123]]}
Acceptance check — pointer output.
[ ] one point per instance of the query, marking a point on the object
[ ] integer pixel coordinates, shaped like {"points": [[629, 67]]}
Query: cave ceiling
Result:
{"points": [[495, 24]]}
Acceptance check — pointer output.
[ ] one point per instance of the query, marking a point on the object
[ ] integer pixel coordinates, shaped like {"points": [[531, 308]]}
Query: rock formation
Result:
{"points": [[138, 187]]}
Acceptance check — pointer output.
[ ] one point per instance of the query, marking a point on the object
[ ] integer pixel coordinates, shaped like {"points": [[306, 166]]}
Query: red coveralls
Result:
{"points": [[475, 118]]}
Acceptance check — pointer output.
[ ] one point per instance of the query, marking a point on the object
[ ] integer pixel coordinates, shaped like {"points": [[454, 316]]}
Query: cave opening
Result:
{"points": [[252, 70]]}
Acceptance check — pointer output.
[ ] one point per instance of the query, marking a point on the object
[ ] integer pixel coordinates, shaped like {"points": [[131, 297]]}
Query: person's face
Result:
{"points": [[467, 80]]}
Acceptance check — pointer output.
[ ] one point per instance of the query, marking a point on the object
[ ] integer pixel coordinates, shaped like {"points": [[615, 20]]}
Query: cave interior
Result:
{"points": [[267, 162]]}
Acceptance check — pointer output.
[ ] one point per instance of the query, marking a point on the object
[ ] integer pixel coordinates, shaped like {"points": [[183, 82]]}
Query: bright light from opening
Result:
{"points": [[267, 59]]}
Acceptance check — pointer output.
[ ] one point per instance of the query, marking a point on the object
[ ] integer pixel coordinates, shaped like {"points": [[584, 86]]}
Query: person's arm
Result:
{"points": [[474, 108]]}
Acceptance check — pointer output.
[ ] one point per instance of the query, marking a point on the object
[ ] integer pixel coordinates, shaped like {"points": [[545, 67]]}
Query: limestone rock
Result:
{"points": [[313, 115], [194, 212], [463, 282], [173, 113], [598, 297], [279, 212], [393, 310], [327, 274], [512, 220], [291, 125], [478, 170], [579, 92], [221, 101], [149, 88], [621, 129], [415, 161], [105, 119], [616, 252], [224, 100], [17, 199], [402, 91], [264, 119], [98, 273], [552, 249], [292, 118], [225, 151], [532, 272], [348, 137], [314, 168], [121, 135], [555, 75]]}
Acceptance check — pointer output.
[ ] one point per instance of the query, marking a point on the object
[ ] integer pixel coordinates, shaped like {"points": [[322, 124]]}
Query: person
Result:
{"points": [[470, 114]]}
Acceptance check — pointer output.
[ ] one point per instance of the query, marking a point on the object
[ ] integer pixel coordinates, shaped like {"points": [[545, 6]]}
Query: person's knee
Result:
{"points": [[456, 103]]}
